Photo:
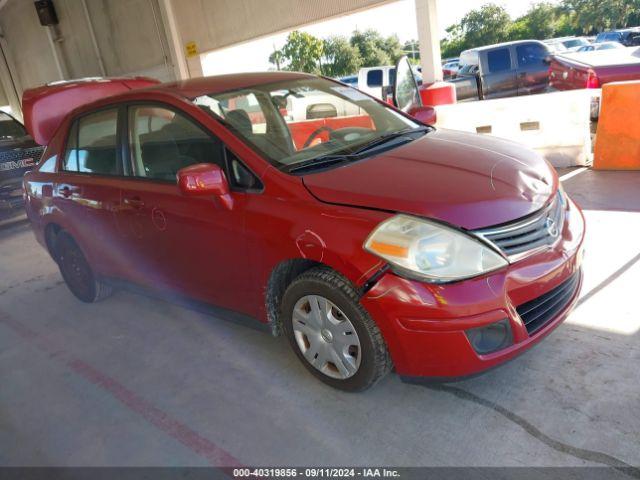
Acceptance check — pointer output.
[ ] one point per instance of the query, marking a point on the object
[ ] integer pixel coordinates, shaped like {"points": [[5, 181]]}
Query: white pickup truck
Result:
{"points": [[373, 80]]}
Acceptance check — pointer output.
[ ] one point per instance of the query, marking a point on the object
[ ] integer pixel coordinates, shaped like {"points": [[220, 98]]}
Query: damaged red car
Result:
{"points": [[372, 241]]}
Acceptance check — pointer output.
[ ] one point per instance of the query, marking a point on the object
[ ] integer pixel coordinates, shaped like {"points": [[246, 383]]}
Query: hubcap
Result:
{"points": [[326, 337]]}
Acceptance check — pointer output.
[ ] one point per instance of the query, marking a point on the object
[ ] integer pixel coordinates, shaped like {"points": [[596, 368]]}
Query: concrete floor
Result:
{"points": [[137, 381]]}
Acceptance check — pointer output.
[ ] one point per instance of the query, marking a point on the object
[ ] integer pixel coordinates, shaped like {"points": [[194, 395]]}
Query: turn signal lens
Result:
{"points": [[389, 249], [430, 251]]}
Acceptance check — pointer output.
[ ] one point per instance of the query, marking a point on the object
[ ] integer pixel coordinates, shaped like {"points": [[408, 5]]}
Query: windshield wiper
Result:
{"points": [[334, 158], [387, 137], [321, 162]]}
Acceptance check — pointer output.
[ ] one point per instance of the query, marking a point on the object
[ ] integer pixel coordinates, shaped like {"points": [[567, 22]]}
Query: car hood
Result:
{"points": [[467, 180]]}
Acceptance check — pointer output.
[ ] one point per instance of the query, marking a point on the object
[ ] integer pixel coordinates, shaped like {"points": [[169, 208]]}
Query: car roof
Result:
{"points": [[621, 30], [503, 44]]}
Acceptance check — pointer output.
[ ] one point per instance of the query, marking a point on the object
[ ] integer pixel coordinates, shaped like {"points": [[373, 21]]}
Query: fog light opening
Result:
{"points": [[491, 338]]}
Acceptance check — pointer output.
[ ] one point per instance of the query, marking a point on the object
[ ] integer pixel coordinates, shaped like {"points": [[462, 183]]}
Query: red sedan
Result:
{"points": [[371, 240]]}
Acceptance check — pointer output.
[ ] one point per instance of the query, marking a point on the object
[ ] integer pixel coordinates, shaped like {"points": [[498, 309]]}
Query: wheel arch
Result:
{"points": [[280, 278]]}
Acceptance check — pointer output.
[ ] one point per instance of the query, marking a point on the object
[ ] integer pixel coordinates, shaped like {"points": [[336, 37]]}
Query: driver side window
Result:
{"points": [[164, 141]]}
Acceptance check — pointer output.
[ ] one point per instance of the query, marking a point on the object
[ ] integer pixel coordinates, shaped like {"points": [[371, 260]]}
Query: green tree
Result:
{"points": [[302, 52], [541, 20], [276, 59], [372, 48], [393, 48], [485, 26], [411, 49], [594, 16], [339, 57]]}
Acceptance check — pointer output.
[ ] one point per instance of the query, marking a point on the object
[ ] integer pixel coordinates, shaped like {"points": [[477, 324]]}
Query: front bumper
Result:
{"points": [[424, 324]]}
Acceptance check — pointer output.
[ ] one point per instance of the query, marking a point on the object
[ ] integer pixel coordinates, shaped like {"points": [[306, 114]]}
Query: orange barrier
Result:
{"points": [[618, 136]]}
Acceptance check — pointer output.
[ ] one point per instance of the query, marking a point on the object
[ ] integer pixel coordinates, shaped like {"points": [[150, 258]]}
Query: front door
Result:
{"points": [[533, 69], [499, 74], [192, 245]]}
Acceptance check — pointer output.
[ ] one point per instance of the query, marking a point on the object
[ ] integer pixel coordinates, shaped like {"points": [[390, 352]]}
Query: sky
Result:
{"points": [[394, 18]]}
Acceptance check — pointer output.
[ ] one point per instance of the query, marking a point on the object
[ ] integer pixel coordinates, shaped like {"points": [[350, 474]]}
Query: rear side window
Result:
{"points": [[499, 60], [374, 78], [92, 144], [531, 54], [164, 141]]}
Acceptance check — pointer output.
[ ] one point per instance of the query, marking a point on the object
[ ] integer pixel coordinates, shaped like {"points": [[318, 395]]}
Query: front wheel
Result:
{"points": [[77, 272], [331, 333]]}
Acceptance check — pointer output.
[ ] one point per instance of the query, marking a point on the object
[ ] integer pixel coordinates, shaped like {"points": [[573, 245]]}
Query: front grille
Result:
{"points": [[20, 158], [526, 234], [536, 313]]}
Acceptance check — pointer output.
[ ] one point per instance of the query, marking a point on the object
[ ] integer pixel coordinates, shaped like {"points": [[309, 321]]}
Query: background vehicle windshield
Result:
{"points": [[296, 121], [575, 42], [9, 128]]}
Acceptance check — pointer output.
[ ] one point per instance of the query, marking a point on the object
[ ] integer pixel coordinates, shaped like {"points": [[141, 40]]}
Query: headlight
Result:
{"points": [[430, 251]]}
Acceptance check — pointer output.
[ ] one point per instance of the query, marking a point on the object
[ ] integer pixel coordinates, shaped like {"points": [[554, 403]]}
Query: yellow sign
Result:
{"points": [[192, 49]]}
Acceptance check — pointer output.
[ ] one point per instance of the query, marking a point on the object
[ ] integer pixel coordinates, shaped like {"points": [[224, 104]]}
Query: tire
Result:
{"points": [[345, 345], [77, 272]]}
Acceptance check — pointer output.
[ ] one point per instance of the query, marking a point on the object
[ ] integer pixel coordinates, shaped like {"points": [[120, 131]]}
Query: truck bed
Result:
{"points": [[571, 71]]}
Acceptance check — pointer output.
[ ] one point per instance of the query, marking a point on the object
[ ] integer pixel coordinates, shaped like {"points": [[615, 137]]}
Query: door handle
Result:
{"points": [[134, 202], [67, 191]]}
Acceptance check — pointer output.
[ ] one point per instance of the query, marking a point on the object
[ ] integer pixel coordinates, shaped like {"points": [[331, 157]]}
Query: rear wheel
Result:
{"points": [[331, 333], [77, 272]]}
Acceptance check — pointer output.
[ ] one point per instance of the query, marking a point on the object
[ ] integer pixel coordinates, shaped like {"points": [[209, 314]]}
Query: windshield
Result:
{"points": [[296, 121], [10, 128], [575, 42]]}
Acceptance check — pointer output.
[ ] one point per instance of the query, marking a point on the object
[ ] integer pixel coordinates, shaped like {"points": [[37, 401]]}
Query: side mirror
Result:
{"points": [[205, 179], [547, 60], [424, 114]]}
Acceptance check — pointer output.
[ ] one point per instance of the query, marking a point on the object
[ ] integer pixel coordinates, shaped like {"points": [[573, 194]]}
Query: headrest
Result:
{"points": [[240, 120]]}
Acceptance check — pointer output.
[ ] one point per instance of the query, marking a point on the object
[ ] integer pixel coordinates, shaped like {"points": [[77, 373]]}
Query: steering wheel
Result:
{"points": [[317, 132]]}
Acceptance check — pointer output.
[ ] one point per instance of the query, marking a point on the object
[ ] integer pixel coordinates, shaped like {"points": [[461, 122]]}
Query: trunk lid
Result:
{"points": [[45, 107]]}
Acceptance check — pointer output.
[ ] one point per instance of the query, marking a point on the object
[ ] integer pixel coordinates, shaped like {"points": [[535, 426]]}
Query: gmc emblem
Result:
{"points": [[13, 165]]}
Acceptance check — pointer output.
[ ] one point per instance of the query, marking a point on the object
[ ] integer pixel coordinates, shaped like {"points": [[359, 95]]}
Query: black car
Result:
{"points": [[18, 154], [629, 37]]}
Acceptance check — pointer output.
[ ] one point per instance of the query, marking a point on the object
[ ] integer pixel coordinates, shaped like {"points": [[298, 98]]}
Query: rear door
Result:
{"points": [[87, 188], [192, 245], [499, 73], [533, 70]]}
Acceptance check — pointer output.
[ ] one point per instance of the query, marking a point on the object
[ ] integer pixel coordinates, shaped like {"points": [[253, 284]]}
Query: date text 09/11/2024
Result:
{"points": [[325, 472]]}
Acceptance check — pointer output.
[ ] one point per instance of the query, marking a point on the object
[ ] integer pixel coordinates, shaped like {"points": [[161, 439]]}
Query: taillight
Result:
{"points": [[592, 80]]}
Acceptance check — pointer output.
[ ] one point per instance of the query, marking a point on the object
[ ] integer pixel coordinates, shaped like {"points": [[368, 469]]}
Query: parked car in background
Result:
{"points": [[450, 68], [371, 241], [18, 154], [351, 80], [629, 37], [503, 70], [566, 44], [593, 69], [600, 46]]}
